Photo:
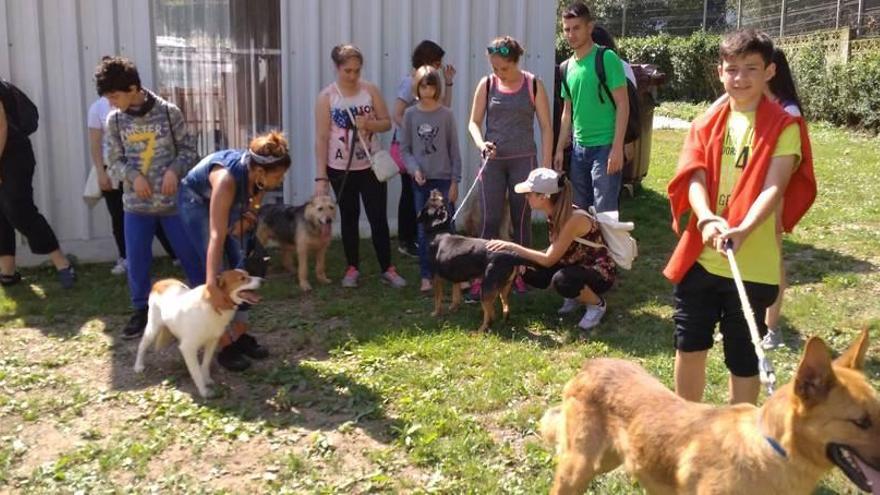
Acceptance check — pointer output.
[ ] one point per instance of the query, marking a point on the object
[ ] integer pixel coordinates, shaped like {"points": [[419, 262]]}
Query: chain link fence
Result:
{"points": [[777, 18]]}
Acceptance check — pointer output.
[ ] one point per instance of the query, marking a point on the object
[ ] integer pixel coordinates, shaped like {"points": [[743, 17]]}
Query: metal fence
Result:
{"points": [[778, 18]]}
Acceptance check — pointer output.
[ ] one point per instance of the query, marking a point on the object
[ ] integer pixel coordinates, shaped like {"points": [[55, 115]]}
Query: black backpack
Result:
{"points": [[633, 126], [23, 115]]}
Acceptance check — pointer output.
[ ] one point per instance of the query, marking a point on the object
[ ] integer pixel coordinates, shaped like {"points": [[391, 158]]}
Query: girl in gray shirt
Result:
{"points": [[429, 145]]}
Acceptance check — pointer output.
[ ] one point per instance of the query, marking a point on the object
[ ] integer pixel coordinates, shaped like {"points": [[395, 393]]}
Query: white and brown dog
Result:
{"points": [[187, 314]]}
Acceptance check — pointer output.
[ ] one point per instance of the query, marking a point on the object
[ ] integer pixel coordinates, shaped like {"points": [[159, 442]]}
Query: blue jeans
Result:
{"points": [[592, 184], [420, 197], [194, 212], [139, 232]]}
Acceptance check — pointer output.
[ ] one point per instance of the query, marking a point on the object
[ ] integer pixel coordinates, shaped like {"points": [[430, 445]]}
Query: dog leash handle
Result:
{"points": [[485, 160], [765, 367]]}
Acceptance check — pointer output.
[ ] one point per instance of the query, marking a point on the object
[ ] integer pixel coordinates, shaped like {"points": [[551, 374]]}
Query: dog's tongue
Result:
{"points": [[249, 296], [326, 231], [872, 474]]}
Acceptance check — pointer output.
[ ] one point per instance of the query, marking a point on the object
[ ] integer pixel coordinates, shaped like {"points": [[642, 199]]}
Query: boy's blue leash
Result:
{"points": [[765, 367]]}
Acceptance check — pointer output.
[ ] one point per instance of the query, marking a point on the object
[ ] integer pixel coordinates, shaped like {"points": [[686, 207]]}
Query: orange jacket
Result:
{"points": [[702, 151]]}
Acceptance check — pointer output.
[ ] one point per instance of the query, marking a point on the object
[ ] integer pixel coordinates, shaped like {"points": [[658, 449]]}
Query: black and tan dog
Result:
{"points": [[457, 259], [302, 228]]}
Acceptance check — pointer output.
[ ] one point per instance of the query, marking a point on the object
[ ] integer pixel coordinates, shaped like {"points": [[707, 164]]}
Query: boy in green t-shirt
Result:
{"points": [[599, 123], [732, 182]]}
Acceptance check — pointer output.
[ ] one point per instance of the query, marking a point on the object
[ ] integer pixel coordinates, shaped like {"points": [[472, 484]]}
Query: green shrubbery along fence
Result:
{"points": [[838, 78]]}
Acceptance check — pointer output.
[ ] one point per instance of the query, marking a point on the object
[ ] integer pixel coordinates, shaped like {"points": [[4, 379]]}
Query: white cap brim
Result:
{"points": [[523, 187]]}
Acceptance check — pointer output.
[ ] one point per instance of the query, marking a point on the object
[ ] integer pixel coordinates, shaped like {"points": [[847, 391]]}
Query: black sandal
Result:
{"points": [[10, 280]]}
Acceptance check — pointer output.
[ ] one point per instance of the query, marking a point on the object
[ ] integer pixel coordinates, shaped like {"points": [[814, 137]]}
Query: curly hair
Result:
{"points": [[272, 143], [116, 74]]}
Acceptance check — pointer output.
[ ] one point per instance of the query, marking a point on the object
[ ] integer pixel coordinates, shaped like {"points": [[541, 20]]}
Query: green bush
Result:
{"points": [[843, 94], [689, 62]]}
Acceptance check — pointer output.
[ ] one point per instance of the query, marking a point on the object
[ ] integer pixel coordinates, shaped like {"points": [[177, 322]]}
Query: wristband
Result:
{"points": [[319, 179], [706, 221], [449, 84]]}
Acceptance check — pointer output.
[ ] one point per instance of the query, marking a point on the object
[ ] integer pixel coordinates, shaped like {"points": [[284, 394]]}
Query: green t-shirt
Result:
{"points": [[593, 121], [758, 257]]}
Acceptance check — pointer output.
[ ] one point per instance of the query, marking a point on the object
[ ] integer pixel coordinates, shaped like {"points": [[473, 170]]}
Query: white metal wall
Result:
{"points": [[387, 31], [50, 48]]}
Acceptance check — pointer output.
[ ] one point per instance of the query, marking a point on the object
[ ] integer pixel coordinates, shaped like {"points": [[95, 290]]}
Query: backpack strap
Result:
{"points": [[603, 78], [581, 240], [119, 133], [534, 83], [171, 128], [488, 90], [563, 76]]}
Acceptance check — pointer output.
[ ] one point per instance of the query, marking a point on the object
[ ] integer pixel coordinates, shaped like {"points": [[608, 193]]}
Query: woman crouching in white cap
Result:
{"points": [[576, 264]]}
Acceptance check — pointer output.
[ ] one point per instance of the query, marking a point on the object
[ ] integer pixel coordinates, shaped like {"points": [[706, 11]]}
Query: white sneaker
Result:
{"points": [[772, 340], [592, 316], [120, 267], [569, 305]]}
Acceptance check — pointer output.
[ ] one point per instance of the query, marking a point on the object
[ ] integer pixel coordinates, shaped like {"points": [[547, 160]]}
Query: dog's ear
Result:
{"points": [[814, 377], [854, 357]]}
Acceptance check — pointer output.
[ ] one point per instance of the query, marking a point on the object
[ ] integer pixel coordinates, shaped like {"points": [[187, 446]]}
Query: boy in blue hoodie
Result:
{"points": [[147, 147]]}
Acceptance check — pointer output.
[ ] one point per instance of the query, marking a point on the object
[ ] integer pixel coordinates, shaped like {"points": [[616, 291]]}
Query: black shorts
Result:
{"points": [[703, 300], [568, 280]]}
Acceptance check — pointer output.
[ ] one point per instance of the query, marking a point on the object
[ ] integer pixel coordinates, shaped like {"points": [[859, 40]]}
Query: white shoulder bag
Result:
{"points": [[92, 191], [620, 244], [381, 162]]}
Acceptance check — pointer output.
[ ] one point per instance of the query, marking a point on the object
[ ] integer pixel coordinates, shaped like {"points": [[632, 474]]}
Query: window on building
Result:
{"points": [[220, 62]]}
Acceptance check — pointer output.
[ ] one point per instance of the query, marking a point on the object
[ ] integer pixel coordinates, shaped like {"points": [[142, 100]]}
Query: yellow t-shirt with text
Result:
{"points": [[758, 258]]}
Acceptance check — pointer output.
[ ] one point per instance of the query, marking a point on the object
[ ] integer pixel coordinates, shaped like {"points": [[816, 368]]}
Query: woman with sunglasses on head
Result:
{"points": [[342, 160], [507, 101]]}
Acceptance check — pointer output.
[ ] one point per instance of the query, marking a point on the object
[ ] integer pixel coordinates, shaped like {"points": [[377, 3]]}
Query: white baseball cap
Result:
{"points": [[541, 181]]}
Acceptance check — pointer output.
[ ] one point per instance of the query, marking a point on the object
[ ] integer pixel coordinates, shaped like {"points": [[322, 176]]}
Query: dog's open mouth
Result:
{"points": [[326, 229], [865, 476], [249, 296]]}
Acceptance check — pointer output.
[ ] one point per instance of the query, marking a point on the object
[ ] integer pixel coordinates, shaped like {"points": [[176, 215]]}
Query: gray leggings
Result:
{"points": [[498, 179]]}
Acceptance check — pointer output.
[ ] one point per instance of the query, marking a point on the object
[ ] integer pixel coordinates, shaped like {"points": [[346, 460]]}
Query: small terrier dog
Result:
{"points": [[458, 259]]}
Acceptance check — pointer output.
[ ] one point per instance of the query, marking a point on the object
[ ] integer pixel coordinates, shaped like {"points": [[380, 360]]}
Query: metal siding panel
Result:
{"points": [[4, 40], [63, 118], [27, 70]]}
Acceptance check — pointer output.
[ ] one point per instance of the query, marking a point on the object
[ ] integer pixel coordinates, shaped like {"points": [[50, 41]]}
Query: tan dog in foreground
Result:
{"points": [[614, 413]]}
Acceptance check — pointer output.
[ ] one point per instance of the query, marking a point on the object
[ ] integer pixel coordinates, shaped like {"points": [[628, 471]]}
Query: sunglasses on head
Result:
{"points": [[502, 50]]}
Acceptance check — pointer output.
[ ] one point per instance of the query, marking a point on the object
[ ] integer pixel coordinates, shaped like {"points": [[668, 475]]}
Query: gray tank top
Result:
{"points": [[510, 118]]}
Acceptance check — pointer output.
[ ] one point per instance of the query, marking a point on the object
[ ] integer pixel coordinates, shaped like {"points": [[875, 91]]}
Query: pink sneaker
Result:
{"points": [[350, 280], [474, 295], [392, 278]]}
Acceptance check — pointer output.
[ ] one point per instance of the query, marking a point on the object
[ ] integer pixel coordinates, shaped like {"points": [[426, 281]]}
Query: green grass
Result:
{"points": [[365, 392], [681, 109]]}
